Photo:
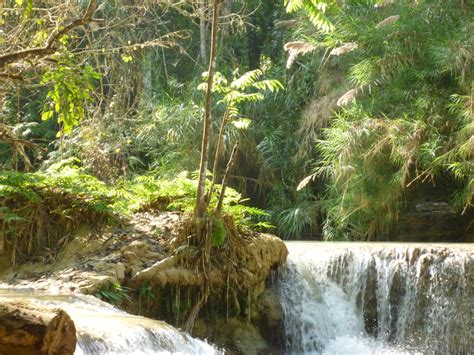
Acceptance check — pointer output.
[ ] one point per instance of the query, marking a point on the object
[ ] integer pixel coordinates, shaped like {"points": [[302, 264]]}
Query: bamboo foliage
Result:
{"points": [[316, 10], [406, 122]]}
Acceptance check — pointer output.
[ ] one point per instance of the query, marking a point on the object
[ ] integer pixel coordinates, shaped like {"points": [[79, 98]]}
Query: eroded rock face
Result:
{"points": [[268, 318], [430, 221], [261, 335], [92, 261], [236, 335], [35, 329], [258, 256]]}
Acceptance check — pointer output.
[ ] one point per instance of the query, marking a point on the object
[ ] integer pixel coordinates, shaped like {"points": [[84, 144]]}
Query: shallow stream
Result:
{"points": [[103, 329], [337, 298]]}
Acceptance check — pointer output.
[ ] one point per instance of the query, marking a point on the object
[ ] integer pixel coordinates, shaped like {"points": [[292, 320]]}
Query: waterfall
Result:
{"points": [[103, 329], [374, 298]]}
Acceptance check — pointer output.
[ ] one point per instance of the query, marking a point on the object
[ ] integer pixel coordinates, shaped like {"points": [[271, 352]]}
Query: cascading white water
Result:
{"points": [[103, 329], [373, 298]]}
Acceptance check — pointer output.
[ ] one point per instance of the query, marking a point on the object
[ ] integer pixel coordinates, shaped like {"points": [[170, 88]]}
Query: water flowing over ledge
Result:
{"points": [[378, 298], [103, 329]]}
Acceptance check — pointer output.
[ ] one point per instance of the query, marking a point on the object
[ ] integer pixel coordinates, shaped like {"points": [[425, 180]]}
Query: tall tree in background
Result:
{"points": [[202, 30]]}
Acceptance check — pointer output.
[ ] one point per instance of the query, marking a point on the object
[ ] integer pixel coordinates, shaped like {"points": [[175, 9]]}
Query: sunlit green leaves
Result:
{"points": [[268, 85], [127, 58], [317, 11], [237, 92], [242, 123], [28, 6], [70, 93], [246, 80]]}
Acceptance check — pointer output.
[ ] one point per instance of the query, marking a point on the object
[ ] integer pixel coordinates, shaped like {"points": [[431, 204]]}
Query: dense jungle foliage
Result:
{"points": [[346, 111]]}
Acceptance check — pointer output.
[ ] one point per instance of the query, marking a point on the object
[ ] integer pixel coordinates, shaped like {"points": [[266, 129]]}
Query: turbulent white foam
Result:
{"points": [[103, 329], [361, 298]]}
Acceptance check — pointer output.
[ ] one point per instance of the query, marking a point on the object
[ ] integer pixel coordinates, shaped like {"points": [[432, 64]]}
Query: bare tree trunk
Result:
{"points": [[226, 11], [201, 201], [228, 169], [202, 30], [147, 68], [220, 143]]}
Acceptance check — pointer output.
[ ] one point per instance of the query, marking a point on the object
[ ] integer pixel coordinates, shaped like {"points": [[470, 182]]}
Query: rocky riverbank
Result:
{"points": [[136, 267]]}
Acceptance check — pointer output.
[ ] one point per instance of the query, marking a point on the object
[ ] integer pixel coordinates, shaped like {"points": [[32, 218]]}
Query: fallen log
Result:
{"points": [[32, 329]]}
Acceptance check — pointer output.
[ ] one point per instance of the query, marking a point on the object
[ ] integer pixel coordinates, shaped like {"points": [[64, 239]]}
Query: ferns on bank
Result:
{"points": [[40, 211]]}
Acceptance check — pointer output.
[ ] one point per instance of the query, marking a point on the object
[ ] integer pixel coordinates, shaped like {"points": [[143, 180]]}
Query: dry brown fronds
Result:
{"points": [[314, 117], [303, 183], [348, 97], [330, 78], [18, 145], [295, 49], [316, 114], [388, 21], [345, 48], [285, 23], [385, 3]]}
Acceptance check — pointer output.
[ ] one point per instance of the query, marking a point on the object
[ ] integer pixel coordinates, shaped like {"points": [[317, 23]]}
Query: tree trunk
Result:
{"points": [[201, 204], [226, 11], [220, 143], [202, 30], [27, 329], [230, 164]]}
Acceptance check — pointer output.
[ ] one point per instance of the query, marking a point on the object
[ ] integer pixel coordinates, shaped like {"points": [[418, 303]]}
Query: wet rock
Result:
{"points": [[35, 329], [91, 283], [236, 335], [369, 307], [97, 265], [268, 317], [397, 292]]}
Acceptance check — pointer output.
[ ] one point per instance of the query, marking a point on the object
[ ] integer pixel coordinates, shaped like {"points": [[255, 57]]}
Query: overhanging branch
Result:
{"points": [[49, 47]]}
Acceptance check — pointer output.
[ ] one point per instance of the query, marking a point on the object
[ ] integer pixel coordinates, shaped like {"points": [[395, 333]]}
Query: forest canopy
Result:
{"points": [[346, 112]]}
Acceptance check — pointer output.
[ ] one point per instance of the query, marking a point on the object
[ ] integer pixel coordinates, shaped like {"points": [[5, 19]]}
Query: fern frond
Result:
{"points": [[270, 85], [246, 80]]}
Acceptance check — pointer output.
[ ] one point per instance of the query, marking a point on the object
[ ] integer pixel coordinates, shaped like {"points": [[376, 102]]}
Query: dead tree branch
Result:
{"points": [[49, 47]]}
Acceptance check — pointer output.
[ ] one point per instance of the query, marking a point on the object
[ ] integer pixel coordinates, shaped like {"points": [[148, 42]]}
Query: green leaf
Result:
{"points": [[29, 7], [242, 123], [46, 115], [316, 10], [127, 58], [270, 85], [218, 233], [246, 79]]}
